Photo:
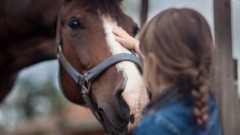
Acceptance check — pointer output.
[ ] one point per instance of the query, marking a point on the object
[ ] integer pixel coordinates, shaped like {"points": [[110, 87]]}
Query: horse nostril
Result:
{"points": [[132, 119], [119, 91], [121, 101], [101, 114], [120, 88], [100, 110], [149, 92], [121, 105]]}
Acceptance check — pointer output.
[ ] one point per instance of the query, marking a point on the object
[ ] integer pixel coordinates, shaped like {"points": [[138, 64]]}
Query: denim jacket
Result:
{"points": [[175, 117]]}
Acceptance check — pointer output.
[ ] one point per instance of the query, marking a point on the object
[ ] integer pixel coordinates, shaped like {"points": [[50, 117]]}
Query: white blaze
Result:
{"points": [[135, 93]]}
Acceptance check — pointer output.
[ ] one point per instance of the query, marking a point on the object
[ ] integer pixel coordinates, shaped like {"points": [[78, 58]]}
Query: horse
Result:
{"points": [[27, 37], [115, 103], [95, 70]]}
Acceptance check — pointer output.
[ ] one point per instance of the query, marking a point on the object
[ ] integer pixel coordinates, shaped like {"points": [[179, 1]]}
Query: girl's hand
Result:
{"points": [[125, 39]]}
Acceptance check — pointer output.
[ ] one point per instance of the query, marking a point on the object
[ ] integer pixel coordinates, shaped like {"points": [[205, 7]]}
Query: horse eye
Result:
{"points": [[135, 30], [75, 24]]}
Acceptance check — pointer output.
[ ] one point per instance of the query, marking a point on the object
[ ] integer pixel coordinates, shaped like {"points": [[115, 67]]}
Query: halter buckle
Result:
{"points": [[85, 84]]}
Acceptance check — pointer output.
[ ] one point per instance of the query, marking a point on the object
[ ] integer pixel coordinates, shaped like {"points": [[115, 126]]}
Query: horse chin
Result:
{"points": [[111, 128]]}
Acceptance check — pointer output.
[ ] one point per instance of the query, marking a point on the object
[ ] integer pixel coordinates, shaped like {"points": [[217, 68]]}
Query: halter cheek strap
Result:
{"points": [[86, 79], [96, 71]]}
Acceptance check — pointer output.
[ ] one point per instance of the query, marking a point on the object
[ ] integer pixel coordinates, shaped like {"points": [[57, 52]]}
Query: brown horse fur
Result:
{"points": [[27, 34], [27, 37]]}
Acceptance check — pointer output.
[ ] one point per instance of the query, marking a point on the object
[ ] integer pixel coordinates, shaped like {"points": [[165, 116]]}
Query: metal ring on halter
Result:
{"points": [[85, 84], [59, 50]]}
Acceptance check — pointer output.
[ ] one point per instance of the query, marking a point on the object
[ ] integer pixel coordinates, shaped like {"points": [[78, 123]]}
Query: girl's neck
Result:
{"points": [[160, 89]]}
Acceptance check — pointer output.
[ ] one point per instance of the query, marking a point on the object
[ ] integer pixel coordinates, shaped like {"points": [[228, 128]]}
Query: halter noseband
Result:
{"points": [[85, 80]]}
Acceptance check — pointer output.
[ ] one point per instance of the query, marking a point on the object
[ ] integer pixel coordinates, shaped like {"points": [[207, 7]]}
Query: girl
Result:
{"points": [[176, 47]]}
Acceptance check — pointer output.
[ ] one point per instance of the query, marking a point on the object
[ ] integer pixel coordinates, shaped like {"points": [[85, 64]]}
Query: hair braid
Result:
{"points": [[201, 96]]}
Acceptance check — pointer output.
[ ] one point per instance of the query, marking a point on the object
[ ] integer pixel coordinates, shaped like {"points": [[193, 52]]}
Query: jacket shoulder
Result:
{"points": [[155, 124]]}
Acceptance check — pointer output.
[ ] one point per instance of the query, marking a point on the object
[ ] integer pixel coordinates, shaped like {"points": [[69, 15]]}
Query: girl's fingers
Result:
{"points": [[119, 39], [116, 32], [119, 31], [124, 38]]}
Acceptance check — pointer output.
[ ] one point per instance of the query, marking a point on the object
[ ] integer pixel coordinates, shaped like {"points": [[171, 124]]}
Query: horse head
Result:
{"points": [[117, 94]]}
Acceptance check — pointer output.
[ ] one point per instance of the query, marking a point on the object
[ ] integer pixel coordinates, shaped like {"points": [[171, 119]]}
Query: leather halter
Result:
{"points": [[85, 80]]}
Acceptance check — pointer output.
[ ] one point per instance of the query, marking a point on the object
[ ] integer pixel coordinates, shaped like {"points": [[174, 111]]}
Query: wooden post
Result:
{"points": [[235, 70], [227, 97], [144, 11]]}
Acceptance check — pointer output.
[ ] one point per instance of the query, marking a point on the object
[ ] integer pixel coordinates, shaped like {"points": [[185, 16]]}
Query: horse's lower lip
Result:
{"points": [[132, 126], [111, 128]]}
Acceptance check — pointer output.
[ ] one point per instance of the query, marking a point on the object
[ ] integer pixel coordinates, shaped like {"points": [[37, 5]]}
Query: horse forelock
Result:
{"points": [[105, 7]]}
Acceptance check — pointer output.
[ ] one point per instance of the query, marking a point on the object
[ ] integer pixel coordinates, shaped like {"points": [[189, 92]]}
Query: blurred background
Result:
{"points": [[36, 105]]}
